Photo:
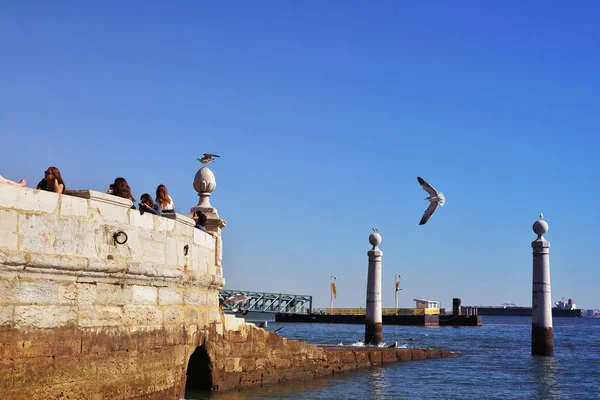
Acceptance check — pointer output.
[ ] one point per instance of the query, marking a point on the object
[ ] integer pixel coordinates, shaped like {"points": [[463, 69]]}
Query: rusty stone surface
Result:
{"points": [[92, 363], [250, 357]]}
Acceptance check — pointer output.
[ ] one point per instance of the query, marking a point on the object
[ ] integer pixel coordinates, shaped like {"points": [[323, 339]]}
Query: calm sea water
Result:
{"points": [[495, 364]]}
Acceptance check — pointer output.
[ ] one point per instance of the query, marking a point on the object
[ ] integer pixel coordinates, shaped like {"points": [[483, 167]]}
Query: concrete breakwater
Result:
{"points": [[100, 302]]}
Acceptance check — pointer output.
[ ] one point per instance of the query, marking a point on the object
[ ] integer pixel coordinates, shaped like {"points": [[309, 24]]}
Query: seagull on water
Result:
{"points": [[435, 199], [207, 158]]}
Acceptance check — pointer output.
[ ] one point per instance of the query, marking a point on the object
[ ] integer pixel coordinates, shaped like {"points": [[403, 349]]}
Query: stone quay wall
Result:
{"points": [[100, 302], [85, 317]]}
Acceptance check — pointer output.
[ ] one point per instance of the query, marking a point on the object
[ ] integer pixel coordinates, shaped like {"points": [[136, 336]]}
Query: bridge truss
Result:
{"points": [[269, 302]]}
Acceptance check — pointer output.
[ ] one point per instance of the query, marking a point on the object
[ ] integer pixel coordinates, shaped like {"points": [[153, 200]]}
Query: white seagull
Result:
{"points": [[435, 198], [236, 298]]}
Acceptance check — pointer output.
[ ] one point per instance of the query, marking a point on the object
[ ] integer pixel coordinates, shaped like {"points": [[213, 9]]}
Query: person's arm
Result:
{"points": [[58, 187]]}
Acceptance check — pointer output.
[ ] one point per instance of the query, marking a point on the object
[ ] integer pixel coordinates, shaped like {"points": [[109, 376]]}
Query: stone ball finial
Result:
{"points": [[540, 227], [375, 238], [204, 181]]}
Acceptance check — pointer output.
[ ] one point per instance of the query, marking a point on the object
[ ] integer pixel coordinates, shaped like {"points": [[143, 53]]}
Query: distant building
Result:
{"points": [[423, 303]]}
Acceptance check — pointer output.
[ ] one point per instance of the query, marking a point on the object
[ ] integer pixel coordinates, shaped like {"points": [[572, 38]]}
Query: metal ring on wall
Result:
{"points": [[186, 248], [117, 235]]}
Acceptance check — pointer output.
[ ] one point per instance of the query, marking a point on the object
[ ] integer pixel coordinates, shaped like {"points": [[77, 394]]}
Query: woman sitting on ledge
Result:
{"points": [[164, 200], [121, 188], [147, 205], [52, 181], [22, 182]]}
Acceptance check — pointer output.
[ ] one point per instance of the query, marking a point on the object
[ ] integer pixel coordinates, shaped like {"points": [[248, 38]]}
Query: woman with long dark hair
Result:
{"points": [[164, 200], [53, 181], [121, 188]]}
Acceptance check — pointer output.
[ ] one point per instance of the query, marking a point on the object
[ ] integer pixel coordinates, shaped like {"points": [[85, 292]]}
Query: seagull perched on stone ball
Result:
{"points": [[207, 158], [435, 199]]}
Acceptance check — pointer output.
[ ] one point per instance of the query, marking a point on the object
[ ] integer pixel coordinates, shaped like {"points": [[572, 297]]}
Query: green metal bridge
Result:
{"points": [[268, 302]]}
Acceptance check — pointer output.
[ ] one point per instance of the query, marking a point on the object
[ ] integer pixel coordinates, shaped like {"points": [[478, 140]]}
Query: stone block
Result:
{"points": [[172, 251], [38, 292], [111, 212], [100, 316], [109, 294], [194, 297], [142, 315], [36, 233], [169, 296], [7, 290], [174, 315], [25, 199], [145, 221], [145, 269], [200, 237], [8, 229], [153, 251], [74, 237], [203, 258], [67, 294], [44, 316], [232, 323], [166, 225], [6, 315], [73, 207], [144, 294], [87, 293]]}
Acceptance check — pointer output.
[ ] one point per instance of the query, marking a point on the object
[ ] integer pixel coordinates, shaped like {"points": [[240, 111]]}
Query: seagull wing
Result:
{"points": [[428, 213], [427, 187], [209, 155]]}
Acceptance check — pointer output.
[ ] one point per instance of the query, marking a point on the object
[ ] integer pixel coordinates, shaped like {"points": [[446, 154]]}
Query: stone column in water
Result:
{"points": [[373, 328], [541, 323]]}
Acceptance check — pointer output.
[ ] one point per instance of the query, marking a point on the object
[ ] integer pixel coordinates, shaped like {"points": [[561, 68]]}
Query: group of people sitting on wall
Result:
{"points": [[53, 182]]}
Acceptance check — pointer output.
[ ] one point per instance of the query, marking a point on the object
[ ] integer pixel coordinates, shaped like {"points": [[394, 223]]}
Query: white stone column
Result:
{"points": [[541, 323], [373, 327]]}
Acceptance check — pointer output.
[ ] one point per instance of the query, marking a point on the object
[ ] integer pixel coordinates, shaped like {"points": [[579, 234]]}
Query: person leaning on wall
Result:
{"points": [[200, 219], [121, 189], [52, 182]]}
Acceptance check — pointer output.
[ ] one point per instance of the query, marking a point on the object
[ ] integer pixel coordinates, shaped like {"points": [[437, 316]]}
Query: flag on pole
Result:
{"points": [[333, 290]]}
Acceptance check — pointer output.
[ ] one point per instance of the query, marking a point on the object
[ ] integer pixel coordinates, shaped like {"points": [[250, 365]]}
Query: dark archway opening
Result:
{"points": [[199, 377]]}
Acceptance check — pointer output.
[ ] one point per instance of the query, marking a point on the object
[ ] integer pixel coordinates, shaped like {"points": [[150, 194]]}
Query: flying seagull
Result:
{"points": [[237, 298], [435, 198], [207, 158]]}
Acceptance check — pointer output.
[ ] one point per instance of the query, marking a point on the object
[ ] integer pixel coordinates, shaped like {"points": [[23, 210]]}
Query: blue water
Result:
{"points": [[495, 364]]}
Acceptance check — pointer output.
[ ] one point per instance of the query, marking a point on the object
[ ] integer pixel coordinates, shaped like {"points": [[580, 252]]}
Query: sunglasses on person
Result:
{"points": [[48, 172]]}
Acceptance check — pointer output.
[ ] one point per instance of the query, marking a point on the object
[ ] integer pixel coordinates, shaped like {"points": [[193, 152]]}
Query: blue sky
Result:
{"points": [[324, 113]]}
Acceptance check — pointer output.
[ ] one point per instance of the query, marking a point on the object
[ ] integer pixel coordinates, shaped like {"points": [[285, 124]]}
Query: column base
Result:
{"points": [[373, 333], [542, 342]]}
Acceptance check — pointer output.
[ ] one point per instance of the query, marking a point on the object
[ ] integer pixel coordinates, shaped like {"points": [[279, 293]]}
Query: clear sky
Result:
{"points": [[324, 113]]}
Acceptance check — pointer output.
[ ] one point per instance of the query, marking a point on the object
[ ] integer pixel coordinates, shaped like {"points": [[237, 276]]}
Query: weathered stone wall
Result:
{"points": [[247, 356], [84, 316]]}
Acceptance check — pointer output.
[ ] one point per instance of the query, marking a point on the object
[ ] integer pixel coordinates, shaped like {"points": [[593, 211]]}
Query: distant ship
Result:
{"points": [[561, 309]]}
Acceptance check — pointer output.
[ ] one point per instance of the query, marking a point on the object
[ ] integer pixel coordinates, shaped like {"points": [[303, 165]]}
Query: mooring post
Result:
{"points": [[541, 324], [373, 327], [456, 306]]}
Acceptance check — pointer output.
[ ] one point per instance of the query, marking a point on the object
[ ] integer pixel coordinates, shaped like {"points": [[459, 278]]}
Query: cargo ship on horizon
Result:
{"points": [[561, 309]]}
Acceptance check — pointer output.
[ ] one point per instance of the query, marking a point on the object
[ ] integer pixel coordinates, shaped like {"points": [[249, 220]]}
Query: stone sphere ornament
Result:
{"points": [[375, 238], [540, 227]]}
